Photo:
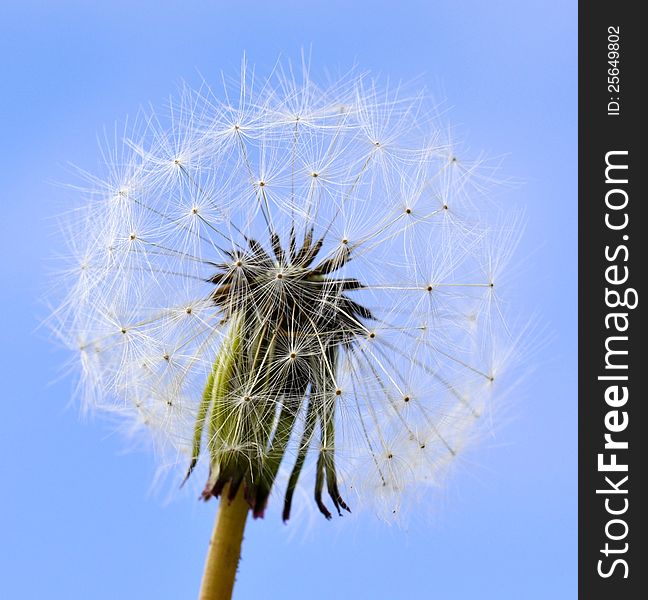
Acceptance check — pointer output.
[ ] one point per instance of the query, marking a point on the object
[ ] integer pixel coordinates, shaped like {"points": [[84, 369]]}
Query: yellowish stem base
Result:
{"points": [[224, 548]]}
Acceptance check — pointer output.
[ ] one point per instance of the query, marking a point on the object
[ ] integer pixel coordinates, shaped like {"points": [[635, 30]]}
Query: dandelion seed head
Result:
{"points": [[294, 286]]}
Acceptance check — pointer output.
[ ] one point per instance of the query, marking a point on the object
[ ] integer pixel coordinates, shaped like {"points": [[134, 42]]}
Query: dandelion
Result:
{"points": [[291, 285]]}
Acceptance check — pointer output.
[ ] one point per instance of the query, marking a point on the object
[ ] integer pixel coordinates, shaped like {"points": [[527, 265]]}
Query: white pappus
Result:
{"points": [[293, 285]]}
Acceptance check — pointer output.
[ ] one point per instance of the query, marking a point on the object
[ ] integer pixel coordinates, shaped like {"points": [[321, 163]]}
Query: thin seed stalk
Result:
{"points": [[224, 548]]}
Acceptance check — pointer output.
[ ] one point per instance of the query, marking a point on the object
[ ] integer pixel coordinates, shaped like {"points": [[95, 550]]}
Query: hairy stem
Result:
{"points": [[224, 548]]}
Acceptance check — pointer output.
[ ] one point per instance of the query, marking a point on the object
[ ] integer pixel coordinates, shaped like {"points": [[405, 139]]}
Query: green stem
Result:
{"points": [[224, 548]]}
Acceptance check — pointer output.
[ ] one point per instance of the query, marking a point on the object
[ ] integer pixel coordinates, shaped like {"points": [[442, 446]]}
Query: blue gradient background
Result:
{"points": [[77, 518]]}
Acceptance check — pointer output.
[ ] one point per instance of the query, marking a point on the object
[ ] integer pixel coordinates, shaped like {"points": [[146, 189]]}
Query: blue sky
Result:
{"points": [[77, 516]]}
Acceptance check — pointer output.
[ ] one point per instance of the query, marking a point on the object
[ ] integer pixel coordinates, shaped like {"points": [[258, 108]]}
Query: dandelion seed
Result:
{"points": [[270, 284]]}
